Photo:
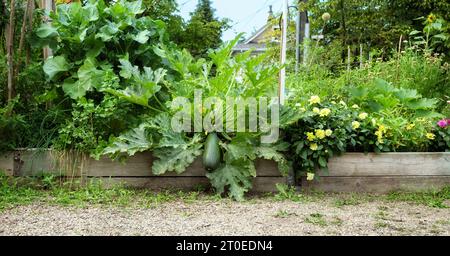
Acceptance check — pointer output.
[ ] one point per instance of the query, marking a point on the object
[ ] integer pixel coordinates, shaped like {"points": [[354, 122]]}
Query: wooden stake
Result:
{"points": [[348, 58], [22, 37], [361, 64], [10, 50], [281, 92]]}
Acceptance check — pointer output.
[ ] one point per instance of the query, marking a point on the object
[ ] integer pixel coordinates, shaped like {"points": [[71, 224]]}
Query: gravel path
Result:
{"points": [[203, 217]]}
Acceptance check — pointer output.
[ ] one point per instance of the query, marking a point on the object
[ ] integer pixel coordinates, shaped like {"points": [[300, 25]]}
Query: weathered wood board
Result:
{"points": [[389, 164], [377, 184], [352, 172], [135, 172], [382, 173]]}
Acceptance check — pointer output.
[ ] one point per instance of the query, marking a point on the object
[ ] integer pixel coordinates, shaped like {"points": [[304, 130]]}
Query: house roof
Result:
{"points": [[245, 47], [257, 34], [251, 42]]}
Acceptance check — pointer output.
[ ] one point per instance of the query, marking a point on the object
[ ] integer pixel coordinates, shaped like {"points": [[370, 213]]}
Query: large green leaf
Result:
{"points": [[271, 152], [108, 31], [421, 104], [89, 75], [74, 89], [131, 142], [142, 37], [177, 159], [231, 176], [46, 30], [141, 86], [55, 65]]}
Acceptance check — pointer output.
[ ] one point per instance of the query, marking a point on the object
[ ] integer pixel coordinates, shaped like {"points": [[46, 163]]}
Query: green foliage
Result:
{"points": [[204, 30], [10, 123], [98, 49], [435, 36], [435, 199], [375, 24], [176, 151], [323, 129]]}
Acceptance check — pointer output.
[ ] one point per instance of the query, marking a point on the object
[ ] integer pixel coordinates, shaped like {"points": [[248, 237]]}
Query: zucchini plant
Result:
{"points": [[229, 156]]}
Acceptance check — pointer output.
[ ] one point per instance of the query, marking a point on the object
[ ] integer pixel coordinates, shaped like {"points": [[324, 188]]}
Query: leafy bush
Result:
{"points": [[323, 129], [427, 74], [97, 48], [10, 126]]}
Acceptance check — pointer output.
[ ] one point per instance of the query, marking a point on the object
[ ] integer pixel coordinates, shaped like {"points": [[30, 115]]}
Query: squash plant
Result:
{"points": [[229, 156], [110, 52]]}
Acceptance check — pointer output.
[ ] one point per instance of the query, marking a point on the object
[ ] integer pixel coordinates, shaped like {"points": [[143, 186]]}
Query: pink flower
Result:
{"points": [[444, 123]]}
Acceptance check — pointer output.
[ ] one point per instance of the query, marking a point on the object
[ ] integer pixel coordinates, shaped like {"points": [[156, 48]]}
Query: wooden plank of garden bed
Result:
{"points": [[7, 164], [389, 164], [34, 162], [140, 166], [377, 184], [260, 184]]}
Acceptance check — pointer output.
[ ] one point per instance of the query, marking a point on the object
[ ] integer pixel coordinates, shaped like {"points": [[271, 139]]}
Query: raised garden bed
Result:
{"points": [[352, 172]]}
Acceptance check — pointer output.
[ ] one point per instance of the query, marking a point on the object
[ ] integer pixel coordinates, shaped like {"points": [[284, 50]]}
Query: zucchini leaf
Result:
{"points": [[177, 159], [233, 176]]}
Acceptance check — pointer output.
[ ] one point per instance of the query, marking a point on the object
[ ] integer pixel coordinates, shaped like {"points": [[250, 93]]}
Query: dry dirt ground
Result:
{"points": [[224, 217]]}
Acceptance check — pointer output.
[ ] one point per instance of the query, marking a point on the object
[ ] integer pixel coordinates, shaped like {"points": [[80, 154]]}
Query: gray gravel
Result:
{"points": [[203, 217]]}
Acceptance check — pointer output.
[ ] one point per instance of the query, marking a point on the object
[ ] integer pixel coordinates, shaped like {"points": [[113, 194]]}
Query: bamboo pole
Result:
{"points": [[282, 85], [23, 31], [30, 28], [348, 58], [361, 64], [10, 50]]}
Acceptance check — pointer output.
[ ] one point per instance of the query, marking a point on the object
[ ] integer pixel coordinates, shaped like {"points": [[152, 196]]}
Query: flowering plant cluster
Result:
{"points": [[326, 128]]}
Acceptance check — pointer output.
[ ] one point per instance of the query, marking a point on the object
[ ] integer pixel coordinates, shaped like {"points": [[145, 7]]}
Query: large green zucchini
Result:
{"points": [[212, 155]]}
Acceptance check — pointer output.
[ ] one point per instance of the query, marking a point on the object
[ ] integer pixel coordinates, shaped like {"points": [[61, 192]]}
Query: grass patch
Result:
{"points": [[351, 199], [435, 199], [316, 219], [48, 189], [11, 194], [286, 193], [52, 190], [284, 214]]}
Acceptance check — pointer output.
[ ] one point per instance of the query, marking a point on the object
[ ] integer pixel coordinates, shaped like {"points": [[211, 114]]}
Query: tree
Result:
{"points": [[166, 10], [204, 30], [378, 24]]}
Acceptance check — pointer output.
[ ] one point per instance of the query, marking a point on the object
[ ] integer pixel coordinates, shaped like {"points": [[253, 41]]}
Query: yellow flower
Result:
{"points": [[431, 18], [356, 125], [320, 134], [328, 132], [363, 116], [314, 147], [380, 133], [409, 127], [310, 136], [310, 176], [316, 110], [355, 106], [314, 100], [431, 136], [325, 112]]}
